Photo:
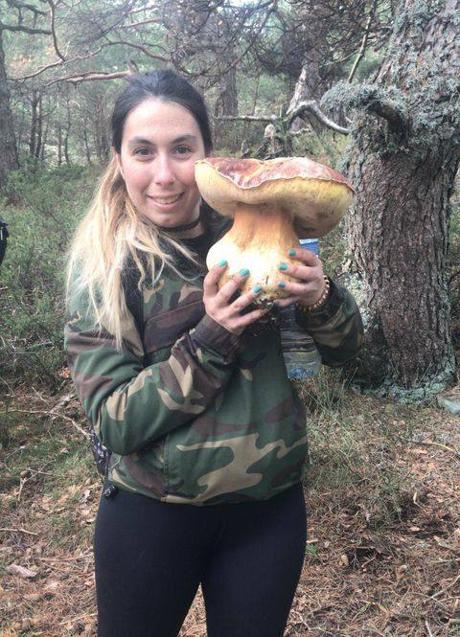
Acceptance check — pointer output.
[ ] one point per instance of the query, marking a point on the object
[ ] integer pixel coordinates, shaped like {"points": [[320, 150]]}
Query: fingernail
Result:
{"points": [[257, 289], [244, 272], [292, 252], [283, 266], [222, 263], [281, 284]]}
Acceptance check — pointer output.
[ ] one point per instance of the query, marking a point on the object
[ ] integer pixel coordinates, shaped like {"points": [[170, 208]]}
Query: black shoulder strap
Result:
{"points": [[130, 279]]}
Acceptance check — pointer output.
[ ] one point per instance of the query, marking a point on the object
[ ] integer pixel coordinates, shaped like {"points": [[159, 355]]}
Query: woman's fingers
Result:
{"points": [[249, 317], [227, 291], [245, 300], [211, 280], [305, 278], [304, 256], [232, 313], [299, 271]]}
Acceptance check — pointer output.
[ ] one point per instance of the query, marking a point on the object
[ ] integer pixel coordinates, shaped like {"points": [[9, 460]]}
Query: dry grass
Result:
{"points": [[383, 552]]}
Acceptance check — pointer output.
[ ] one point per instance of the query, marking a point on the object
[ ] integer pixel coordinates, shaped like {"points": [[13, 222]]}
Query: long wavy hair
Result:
{"points": [[112, 232]]}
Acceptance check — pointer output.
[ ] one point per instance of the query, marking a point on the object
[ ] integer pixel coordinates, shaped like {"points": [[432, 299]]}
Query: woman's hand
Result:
{"points": [[222, 306], [308, 272]]}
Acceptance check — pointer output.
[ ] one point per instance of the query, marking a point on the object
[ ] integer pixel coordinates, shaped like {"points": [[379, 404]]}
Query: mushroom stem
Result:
{"points": [[258, 240], [262, 225]]}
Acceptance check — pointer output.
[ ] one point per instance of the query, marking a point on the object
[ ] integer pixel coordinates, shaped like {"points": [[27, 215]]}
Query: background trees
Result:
{"points": [[379, 73]]}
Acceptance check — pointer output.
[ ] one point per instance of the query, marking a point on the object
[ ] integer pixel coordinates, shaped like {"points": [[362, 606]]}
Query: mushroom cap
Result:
{"points": [[315, 195]]}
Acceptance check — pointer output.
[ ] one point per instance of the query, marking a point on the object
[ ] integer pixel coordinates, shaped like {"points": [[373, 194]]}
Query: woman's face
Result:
{"points": [[161, 142]]}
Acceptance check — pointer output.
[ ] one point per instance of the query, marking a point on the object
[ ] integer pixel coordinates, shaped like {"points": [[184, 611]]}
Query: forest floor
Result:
{"points": [[383, 552]]}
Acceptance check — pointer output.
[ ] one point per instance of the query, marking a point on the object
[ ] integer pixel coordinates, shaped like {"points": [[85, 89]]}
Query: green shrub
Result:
{"points": [[49, 203]]}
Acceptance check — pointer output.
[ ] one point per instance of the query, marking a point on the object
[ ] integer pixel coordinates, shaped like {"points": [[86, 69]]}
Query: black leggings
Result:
{"points": [[151, 558]]}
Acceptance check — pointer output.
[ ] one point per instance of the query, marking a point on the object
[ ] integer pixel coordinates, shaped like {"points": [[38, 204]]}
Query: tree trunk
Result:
{"points": [[34, 123], [59, 132], [43, 146], [102, 142], [39, 141], [227, 102], [8, 149], [67, 134], [86, 142], [403, 163], [308, 87]]}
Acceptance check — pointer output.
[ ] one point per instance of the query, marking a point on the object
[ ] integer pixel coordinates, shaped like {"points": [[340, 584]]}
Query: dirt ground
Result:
{"points": [[360, 579]]}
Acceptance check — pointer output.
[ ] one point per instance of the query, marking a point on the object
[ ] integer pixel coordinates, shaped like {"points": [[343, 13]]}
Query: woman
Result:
{"points": [[208, 441]]}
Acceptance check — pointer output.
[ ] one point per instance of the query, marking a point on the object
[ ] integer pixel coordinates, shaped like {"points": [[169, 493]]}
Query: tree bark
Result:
{"points": [[34, 123], [67, 133], [39, 139], [59, 144], [101, 132], [86, 142], [403, 162], [227, 102], [8, 149]]}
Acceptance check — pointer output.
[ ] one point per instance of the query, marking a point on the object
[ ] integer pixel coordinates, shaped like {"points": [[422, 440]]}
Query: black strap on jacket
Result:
{"points": [[3, 239], [130, 280]]}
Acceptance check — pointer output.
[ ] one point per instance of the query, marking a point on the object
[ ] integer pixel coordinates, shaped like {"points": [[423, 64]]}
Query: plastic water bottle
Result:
{"points": [[301, 357]]}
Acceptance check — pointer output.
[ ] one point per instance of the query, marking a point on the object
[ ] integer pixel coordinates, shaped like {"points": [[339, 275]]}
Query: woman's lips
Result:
{"points": [[165, 201]]}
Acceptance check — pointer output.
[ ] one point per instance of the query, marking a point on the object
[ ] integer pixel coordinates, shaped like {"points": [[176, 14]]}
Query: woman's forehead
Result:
{"points": [[155, 119]]}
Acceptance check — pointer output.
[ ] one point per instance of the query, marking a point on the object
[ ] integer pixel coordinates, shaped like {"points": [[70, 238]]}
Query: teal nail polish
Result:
{"points": [[257, 289], [283, 266], [281, 284], [292, 252], [222, 263], [244, 272]]}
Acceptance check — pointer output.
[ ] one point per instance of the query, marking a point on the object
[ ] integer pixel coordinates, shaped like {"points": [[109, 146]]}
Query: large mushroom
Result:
{"points": [[273, 202]]}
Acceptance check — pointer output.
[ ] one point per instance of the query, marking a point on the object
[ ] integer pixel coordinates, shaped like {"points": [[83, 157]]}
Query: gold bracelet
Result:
{"points": [[320, 302]]}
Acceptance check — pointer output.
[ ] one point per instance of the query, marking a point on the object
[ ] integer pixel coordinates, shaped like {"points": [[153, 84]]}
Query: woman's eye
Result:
{"points": [[183, 150], [142, 151]]}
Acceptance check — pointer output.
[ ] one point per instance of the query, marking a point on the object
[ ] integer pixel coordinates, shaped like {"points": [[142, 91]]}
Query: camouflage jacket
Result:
{"points": [[193, 413]]}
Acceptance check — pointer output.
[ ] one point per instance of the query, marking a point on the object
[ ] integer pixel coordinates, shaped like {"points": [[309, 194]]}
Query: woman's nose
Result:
{"points": [[163, 172]]}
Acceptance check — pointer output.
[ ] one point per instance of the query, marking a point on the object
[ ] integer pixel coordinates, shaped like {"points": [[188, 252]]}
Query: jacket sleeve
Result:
{"points": [[131, 406], [336, 327]]}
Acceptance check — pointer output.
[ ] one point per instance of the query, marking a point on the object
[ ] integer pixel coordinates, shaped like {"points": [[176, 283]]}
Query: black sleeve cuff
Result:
{"points": [[211, 335]]}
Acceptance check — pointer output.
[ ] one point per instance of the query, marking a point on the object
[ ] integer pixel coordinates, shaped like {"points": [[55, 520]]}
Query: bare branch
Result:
{"points": [[244, 118], [20, 27], [89, 77], [53, 30], [85, 57], [140, 48], [138, 24], [312, 107], [152, 7], [388, 104], [363, 45], [54, 65], [23, 5]]}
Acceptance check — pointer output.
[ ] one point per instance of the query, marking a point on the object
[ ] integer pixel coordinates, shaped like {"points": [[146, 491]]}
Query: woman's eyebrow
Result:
{"points": [[139, 140], [176, 140], [184, 138]]}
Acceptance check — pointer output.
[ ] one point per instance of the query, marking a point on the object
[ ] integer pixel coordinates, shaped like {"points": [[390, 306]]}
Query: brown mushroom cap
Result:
{"points": [[315, 195]]}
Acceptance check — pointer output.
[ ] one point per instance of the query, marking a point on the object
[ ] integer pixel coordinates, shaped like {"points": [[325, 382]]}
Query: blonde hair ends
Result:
{"points": [[108, 234]]}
